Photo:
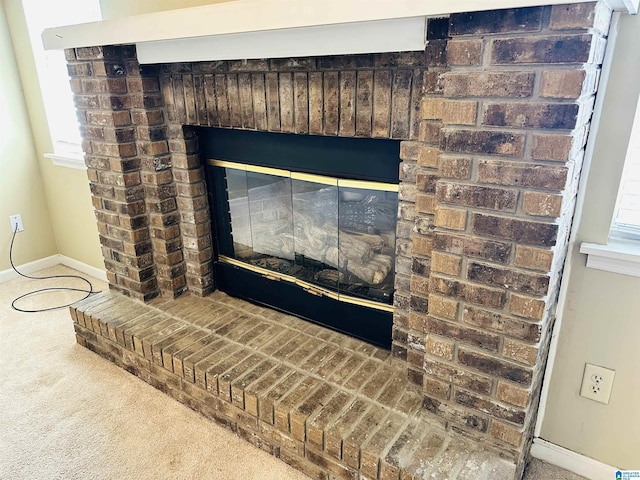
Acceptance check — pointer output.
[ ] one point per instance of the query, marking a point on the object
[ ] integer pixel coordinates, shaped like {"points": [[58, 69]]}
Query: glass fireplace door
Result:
{"points": [[331, 237]]}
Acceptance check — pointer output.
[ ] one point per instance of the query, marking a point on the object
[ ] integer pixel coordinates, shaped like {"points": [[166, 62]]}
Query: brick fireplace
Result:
{"points": [[493, 119]]}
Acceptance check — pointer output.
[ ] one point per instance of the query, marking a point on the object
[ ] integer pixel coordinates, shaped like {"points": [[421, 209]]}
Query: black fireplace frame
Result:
{"points": [[367, 159]]}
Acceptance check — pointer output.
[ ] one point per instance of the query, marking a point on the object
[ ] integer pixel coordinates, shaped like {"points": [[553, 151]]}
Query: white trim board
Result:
{"points": [[83, 268], [621, 5], [29, 268], [239, 17], [394, 35], [572, 461], [52, 261], [616, 256], [68, 161]]}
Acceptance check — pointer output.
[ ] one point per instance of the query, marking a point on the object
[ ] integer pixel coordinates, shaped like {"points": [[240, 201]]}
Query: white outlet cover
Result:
{"points": [[597, 383], [16, 221]]}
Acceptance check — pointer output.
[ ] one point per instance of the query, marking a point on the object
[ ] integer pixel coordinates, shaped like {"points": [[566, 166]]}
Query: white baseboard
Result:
{"points": [[52, 261], [83, 267], [29, 268], [572, 461]]}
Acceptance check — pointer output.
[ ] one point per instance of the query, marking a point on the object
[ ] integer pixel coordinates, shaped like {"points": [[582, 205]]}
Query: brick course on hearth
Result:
{"points": [[494, 117]]}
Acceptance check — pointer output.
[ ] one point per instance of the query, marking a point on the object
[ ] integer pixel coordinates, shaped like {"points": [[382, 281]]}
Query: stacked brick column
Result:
{"points": [[104, 109], [191, 192], [194, 218], [416, 214], [149, 116], [121, 111], [517, 100]]}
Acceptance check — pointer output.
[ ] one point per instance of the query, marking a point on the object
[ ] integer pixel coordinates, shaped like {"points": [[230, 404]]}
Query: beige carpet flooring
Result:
{"points": [[67, 413]]}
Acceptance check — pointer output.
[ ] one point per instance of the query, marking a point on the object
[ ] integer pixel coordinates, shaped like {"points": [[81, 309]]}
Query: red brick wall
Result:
{"points": [[366, 95], [496, 173], [493, 116]]}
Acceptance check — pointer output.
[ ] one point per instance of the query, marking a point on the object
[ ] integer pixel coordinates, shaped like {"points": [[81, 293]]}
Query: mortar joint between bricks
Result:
{"points": [[487, 52], [464, 265]]}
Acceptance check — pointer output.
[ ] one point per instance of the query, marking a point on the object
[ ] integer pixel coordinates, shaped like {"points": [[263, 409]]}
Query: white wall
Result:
{"points": [[601, 318], [123, 8], [66, 191], [21, 187]]}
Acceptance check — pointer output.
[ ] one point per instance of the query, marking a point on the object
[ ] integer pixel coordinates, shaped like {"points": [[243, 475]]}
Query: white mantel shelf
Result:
{"points": [[249, 28]]}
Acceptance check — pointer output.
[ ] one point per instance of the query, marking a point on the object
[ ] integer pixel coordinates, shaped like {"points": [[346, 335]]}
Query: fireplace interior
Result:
{"points": [[307, 225]]}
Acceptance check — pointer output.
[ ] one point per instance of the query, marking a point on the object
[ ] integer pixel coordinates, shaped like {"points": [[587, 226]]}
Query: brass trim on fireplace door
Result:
{"points": [[262, 271], [276, 172], [223, 164], [311, 288], [308, 177], [316, 290], [251, 168], [385, 187], [366, 303]]}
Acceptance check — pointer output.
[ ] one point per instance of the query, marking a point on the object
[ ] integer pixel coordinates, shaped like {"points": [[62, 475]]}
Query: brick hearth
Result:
{"points": [[319, 400], [493, 119]]}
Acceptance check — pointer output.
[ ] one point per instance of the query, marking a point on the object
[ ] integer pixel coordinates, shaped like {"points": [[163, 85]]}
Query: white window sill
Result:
{"points": [[618, 256], [67, 160]]}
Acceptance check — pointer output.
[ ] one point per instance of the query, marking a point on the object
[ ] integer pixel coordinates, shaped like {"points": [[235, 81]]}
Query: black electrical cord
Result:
{"points": [[89, 292]]}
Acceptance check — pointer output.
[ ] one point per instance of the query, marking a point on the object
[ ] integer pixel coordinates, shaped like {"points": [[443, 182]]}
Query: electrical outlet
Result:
{"points": [[597, 383], [16, 221]]}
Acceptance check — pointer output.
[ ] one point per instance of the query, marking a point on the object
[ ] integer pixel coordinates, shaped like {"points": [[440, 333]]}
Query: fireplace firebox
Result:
{"points": [[307, 225]]}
